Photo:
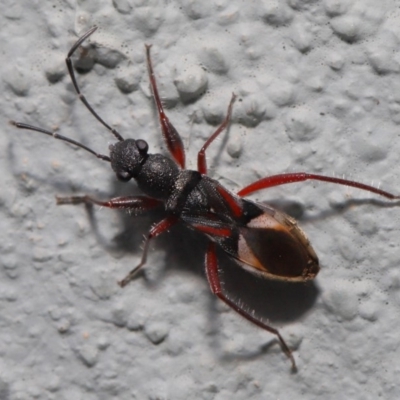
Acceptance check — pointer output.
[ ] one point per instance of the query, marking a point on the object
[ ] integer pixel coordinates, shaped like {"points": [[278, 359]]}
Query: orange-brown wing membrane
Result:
{"points": [[273, 245]]}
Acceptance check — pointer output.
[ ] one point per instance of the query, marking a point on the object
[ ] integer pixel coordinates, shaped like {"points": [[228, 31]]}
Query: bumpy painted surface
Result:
{"points": [[318, 90]]}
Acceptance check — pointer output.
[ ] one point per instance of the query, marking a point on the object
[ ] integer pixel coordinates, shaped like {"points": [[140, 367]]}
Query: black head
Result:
{"points": [[127, 158]]}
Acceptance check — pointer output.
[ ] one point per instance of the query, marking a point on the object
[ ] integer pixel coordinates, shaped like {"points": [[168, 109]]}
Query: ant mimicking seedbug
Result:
{"points": [[261, 239]]}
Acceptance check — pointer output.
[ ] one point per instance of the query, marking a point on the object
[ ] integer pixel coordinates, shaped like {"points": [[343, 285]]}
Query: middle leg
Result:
{"points": [[201, 157], [135, 204], [156, 230]]}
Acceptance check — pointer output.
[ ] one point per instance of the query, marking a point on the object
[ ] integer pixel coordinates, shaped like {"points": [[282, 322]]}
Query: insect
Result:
{"points": [[261, 239]]}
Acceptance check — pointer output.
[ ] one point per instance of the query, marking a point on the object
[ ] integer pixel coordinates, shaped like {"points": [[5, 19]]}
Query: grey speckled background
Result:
{"points": [[319, 90]]}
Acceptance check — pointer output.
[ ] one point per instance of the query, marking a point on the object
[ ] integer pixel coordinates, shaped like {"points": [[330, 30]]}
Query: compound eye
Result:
{"points": [[142, 146], [123, 176]]}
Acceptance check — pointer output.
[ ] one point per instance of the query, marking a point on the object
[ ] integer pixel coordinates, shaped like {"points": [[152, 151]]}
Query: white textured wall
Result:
{"points": [[319, 91]]}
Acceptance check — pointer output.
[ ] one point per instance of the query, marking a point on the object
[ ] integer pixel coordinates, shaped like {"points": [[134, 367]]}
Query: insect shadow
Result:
{"points": [[183, 249]]}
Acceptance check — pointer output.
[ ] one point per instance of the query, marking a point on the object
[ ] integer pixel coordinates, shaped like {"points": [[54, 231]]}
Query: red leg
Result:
{"points": [[171, 135], [209, 224], [201, 157], [156, 230], [233, 202], [283, 179], [215, 285], [136, 204]]}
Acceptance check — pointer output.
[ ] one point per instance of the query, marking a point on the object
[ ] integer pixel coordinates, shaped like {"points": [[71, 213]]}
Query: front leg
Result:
{"points": [[170, 134], [134, 204]]}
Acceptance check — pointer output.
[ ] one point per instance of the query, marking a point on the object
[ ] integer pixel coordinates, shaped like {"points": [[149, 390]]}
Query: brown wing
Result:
{"points": [[274, 246]]}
